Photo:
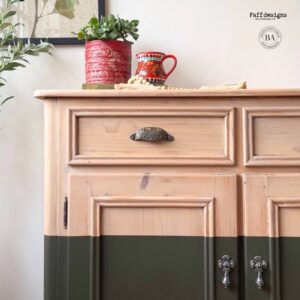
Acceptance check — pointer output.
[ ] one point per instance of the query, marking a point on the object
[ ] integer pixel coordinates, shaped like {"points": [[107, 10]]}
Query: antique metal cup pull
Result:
{"points": [[226, 264], [151, 134], [258, 264]]}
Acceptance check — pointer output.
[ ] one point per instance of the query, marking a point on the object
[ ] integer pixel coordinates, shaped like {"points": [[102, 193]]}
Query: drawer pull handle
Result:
{"points": [[258, 264], [152, 134], [226, 264]]}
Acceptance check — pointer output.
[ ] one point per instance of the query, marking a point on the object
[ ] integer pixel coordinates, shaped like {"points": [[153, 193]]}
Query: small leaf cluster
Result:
{"points": [[65, 8], [13, 51], [109, 28]]}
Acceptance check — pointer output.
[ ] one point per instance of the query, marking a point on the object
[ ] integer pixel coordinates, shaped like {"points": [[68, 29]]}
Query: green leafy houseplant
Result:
{"points": [[109, 28], [13, 51], [108, 50]]}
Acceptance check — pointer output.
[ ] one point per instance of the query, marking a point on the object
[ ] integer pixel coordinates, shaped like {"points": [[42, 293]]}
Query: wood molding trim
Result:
{"points": [[100, 203], [249, 142], [176, 94], [274, 207], [224, 112], [271, 205]]}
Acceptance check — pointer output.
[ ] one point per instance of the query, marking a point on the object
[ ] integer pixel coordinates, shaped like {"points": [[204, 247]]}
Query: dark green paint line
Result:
{"points": [[67, 265], [182, 268], [229, 246], [134, 268], [289, 268], [152, 268], [255, 246], [163, 268], [80, 277], [282, 277], [55, 268]]}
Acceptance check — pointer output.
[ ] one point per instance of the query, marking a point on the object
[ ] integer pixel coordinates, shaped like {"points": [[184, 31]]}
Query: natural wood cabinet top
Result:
{"points": [[190, 93]]}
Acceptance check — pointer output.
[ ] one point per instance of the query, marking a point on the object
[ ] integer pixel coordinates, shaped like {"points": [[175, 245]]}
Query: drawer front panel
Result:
{"points": [[102, 136], [272, 136]]}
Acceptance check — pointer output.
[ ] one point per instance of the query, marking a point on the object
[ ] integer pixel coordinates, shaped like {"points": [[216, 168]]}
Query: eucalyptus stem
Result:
{"points": [[13, 51], [36, 18]]}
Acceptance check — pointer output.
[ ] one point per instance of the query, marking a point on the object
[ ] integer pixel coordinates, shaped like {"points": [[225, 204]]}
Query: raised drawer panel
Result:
{"points": [[272, 136], [102, 136]]}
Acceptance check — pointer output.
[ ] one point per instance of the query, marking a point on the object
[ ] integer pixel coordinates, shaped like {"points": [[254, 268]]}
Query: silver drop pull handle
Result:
{"points": [[226, 264], [258, 264]]}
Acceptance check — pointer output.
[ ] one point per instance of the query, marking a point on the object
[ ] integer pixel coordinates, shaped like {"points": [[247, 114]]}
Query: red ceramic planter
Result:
{"points": [[107, 62]]}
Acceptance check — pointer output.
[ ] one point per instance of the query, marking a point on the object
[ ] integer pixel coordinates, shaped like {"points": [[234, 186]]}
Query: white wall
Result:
{"points": [[215, 42]]}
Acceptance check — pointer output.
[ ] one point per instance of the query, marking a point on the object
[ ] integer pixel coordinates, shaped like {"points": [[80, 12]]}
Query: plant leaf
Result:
{"points": [[13, 51], [114, 35], [12, 66], [109, 27], [81, 35], [134, 23], [93, 21], [9, 14], [4, 25], [6, 99], [66, 8]]}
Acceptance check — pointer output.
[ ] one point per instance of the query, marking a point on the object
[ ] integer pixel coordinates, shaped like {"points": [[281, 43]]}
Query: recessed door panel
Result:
{"points": [[155, 235], [272, 231]]}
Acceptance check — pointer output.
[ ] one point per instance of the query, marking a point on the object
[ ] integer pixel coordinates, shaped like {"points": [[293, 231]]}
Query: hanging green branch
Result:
{"points": [[13, 51]]}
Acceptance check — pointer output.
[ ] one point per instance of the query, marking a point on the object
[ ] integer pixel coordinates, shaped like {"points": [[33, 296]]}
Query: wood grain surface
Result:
{"points": [[272, 205], [277, 131], [201, 136], [157, 94]]}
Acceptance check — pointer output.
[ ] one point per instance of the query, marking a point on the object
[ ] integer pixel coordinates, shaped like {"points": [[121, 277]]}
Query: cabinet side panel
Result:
{"points": [[51, 167]]}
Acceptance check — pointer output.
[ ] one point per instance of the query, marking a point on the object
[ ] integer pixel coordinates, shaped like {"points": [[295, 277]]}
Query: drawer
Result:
{"points": [[271, 136], [101, 136]]}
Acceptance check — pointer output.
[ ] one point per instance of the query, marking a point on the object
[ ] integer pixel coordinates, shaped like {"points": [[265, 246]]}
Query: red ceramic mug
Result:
{"points": [[150, 66]]}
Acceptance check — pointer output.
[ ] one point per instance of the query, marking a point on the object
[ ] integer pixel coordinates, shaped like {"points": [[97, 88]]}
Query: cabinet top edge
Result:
{"points": [[185, 93]]}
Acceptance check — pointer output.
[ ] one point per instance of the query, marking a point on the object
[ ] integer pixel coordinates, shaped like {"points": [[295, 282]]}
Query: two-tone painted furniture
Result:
{"points": [[172, 195]]}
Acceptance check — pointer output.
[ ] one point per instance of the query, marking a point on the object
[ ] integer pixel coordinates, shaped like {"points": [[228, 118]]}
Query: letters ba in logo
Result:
{"points": [[270, 37]]}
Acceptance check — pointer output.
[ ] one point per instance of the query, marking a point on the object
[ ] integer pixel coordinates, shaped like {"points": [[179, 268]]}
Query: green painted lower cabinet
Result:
{"points": [[282, 277], [137, 267], [177, 268]]}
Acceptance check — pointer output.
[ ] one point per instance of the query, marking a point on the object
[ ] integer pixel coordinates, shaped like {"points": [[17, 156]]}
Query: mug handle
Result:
{"points": [[174, 66]]}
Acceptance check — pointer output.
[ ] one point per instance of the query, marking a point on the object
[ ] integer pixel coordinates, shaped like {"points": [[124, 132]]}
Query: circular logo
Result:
{"points": [[270, 37]]}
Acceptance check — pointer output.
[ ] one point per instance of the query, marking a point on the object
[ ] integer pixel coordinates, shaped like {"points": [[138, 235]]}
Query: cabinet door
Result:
{"points": [[272, 231], [151, 236]]}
